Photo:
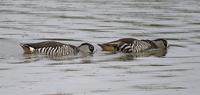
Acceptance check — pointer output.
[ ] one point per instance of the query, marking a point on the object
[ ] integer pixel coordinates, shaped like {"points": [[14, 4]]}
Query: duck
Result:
{"points": [[56, 48], [132, 45]]}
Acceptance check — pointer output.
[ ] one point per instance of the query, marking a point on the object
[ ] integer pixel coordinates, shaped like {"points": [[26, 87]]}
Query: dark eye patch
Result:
{"points": [[91, 48]]}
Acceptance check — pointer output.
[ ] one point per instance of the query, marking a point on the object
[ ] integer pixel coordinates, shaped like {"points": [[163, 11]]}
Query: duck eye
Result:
{"points": [[91, 47]]}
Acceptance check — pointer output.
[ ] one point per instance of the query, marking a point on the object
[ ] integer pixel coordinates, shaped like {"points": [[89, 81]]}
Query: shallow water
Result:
{"points": [[98, 21]]}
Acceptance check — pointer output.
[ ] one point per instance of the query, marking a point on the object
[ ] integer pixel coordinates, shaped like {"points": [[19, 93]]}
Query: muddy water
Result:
{"points": [[98, 21]]}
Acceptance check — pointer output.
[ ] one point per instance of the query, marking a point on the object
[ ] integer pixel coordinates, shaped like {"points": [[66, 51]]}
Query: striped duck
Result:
{"points": [[131, 45], [56, 48]]}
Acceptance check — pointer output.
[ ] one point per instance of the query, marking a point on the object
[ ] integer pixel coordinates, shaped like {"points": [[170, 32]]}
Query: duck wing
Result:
{"points": [[30, 47]]}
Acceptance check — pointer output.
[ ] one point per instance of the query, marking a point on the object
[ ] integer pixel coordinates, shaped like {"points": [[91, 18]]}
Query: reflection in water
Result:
{"points": [[156, 87], [154, 71], [27, 58], [61, 94], [165, 76], [2, 69], [153, 52], [60, 60]]}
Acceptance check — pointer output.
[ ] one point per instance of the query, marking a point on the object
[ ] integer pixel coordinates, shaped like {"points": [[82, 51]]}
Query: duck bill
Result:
{"points": [[107, 47]]}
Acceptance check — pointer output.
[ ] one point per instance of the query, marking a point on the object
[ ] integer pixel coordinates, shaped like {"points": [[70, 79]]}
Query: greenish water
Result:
{"points": [[99, 21]]}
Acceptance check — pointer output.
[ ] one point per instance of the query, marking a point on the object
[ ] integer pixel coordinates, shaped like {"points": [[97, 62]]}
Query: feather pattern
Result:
{"points": [[134, 46], [130, 45], [50, 48]]}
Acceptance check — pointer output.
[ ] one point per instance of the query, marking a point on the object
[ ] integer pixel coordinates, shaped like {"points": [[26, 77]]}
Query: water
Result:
{"points": [[98, 21]]}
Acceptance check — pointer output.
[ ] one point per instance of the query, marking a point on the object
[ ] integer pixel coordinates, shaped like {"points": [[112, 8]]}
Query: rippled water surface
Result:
{"points": [[98, 21]]}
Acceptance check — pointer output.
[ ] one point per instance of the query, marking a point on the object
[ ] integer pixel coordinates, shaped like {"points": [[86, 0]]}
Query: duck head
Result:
{"points": [[86, 48]]}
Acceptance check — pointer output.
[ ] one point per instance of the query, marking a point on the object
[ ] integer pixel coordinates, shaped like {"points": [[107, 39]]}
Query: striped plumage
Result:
{"points": [[130, 45], [56, 48]]}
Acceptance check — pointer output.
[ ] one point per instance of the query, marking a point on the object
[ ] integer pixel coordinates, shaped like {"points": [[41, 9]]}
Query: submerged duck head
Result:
{"points": [[86, 48]]}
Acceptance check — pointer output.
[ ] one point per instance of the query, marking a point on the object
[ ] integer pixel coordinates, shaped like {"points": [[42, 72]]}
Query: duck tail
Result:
{"points": [[27, 48]]}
